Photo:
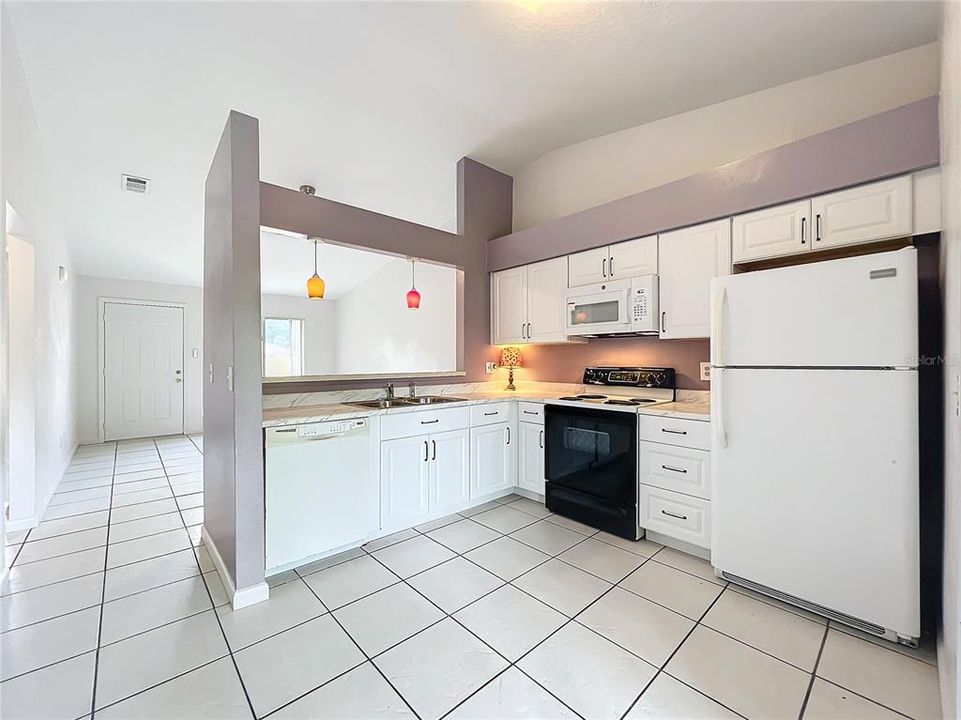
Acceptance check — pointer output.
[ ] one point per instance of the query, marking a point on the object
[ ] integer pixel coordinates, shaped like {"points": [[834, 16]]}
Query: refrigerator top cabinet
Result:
{"points": [[859, 312]]}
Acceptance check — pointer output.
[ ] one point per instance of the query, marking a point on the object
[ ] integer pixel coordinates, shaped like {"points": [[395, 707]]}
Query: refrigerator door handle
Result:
{"points": [[717, 400], [717, 326]]}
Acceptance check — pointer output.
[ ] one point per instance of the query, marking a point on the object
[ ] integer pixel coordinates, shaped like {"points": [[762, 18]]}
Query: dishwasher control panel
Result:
{"points": [[329, 428]]}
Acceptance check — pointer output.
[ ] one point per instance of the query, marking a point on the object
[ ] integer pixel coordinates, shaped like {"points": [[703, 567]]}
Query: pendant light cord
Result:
{"points": [[315, 257]]}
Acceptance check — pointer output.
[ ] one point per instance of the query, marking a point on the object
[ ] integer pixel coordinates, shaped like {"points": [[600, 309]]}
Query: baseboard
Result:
{"points": [[32, 521], [27, 523], [238, 598]]}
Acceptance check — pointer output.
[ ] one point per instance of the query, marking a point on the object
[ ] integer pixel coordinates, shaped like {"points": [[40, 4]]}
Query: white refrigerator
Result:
{"points": [[814, 412]]}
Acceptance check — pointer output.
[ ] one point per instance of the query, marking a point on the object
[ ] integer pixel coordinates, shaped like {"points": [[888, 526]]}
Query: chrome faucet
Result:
{"points": [[390, 391], [411, 389]]}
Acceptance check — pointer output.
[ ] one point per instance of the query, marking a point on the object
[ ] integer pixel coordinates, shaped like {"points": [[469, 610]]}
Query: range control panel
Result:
{"points": [[646, 377]]}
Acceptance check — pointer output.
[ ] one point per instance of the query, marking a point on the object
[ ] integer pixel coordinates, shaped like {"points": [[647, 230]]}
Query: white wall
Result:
{"points": [[948, 642], [89, 290], [376, 332], [320, 328], [26, 186], [589, 173]]}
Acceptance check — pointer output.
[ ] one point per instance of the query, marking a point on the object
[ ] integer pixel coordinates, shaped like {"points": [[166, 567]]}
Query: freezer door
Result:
{"points": [[815, 487], [855, 312]]}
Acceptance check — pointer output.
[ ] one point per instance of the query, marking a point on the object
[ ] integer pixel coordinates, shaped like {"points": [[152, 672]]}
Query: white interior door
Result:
{"points": [[815, 487], [143, 370]]}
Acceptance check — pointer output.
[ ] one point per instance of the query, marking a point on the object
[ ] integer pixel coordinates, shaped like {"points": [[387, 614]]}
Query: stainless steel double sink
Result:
{"points": [[386, 403]]}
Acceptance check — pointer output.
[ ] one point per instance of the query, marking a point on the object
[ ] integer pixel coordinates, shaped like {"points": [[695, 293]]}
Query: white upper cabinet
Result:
{"points": [[546, 300], [687, 261], [613, 262], [509, 306], [781, 230], [633, 258], [588, 267], [877, 211], [528, 303]]}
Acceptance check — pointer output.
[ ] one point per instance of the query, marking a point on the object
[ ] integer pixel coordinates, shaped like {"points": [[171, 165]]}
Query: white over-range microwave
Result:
{"points": [[618, 307]]}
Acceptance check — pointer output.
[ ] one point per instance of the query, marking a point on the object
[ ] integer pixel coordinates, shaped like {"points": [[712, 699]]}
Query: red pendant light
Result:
{"points": [[413, 297]]}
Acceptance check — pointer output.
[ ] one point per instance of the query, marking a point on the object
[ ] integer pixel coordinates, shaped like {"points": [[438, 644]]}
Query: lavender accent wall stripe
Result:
{"points": [[891, 143]]}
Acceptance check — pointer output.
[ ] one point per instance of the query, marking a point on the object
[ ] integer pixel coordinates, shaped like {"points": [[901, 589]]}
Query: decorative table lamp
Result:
{"points": [[511, 358]]}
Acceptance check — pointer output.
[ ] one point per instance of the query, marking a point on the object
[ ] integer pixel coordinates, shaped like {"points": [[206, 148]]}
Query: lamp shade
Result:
{"points": [[413, 299], [315, 287], [511, 357]]}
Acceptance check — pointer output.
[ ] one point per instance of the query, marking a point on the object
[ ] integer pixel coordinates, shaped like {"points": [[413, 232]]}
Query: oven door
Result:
{"points": [[598, 313], [593, 452]]}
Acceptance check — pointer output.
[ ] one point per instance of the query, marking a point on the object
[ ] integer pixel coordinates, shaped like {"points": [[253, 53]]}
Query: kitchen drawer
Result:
{"points": [[678, 516], [489, 413], [676, 468], [530, 412], [423, 422], [674, 431]]}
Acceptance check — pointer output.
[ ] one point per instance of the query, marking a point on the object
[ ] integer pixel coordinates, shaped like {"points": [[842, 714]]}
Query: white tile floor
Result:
{"points": [[113, 610]]}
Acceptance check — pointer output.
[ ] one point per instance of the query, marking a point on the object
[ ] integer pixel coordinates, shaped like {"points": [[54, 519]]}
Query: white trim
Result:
{"points": [[101, 358], [238, 598]]}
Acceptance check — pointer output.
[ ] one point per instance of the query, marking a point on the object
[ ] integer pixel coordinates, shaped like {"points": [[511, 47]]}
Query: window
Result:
{"points": [[283, 347]]}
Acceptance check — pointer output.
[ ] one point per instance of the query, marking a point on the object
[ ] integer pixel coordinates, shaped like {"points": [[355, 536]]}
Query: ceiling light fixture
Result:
{"points": [[315, 284], [413, 297]]}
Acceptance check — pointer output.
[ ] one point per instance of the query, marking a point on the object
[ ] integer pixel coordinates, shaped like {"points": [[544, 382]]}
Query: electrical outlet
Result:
{"points": [[490, 367], [706, 372]]}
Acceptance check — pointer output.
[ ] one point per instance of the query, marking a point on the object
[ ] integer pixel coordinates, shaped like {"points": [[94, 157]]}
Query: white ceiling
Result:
{"points": [[286, 262], [373, 103]]}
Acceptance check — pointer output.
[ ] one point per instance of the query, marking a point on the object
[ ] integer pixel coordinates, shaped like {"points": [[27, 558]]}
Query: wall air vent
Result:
{"points": [[134, 184]]}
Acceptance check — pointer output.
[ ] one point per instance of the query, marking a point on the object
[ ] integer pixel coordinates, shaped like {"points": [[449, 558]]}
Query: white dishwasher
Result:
{"points": [[320, 492]]}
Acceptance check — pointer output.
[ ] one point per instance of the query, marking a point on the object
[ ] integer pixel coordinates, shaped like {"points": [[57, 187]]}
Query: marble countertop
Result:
{"points": [[339, 411]]}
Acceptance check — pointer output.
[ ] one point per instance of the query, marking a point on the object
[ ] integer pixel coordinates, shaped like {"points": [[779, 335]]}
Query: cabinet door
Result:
{"points": [[449, 470], [404, 481], [492, 459], [547, 300], [863, 214], [632, 258], [530, 457], [588, 267], [509, 306], [781, 230], [687, 260]]}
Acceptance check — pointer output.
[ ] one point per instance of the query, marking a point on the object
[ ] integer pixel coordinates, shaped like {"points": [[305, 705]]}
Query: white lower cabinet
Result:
{"points": [[422, 476], [493, 458], [530, 456], [404, 480], [675, 478], [449, 470]]}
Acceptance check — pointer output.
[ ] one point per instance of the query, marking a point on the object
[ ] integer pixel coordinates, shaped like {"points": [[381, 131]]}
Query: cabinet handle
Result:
{"points": [[522, 330], [674, 432], [673, 515], [610, 265], [817, 228], [541, 440], [528, 331], [803, 223], [663, 317], [430, 422], [508, 435], [674, 469], [433, 449], [425, 451], [604, 267], [531, 412], [490, 413]]}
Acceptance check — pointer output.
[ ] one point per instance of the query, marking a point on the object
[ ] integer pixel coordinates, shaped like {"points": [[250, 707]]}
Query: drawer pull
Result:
{"points": [[673, 515], [674, 469], [531, 412], [674, 432], [490, 413], [430, 422]]}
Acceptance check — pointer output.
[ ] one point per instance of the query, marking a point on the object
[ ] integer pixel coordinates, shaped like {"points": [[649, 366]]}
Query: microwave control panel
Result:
{"points": [[640, 305]]}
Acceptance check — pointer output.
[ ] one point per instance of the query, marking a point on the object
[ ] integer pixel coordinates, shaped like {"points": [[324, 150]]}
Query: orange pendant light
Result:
{"points": [[413, 297], [315, 284]]}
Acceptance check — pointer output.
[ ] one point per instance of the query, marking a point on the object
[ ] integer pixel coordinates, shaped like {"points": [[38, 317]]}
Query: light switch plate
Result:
{"points": [[706, 372], [490, 367]]}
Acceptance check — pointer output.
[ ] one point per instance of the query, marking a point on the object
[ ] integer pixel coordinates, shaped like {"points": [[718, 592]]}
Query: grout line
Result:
{"points": [[807, 694], [210, 596], [103, 590]]}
